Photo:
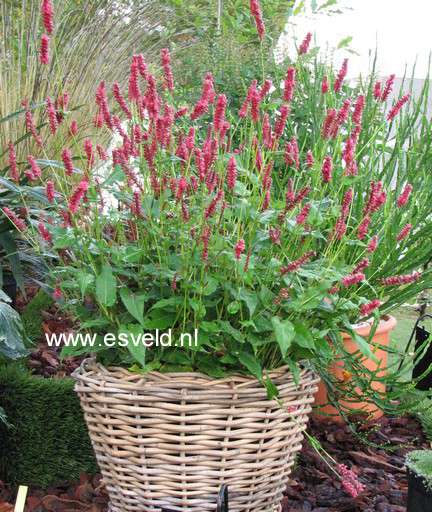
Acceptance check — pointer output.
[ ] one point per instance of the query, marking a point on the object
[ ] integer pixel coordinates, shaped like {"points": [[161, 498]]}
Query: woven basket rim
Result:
{"points": [[95, 373]]}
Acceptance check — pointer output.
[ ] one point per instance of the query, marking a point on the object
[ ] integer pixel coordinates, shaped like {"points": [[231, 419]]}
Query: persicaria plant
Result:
{"points": [[182, 227]]}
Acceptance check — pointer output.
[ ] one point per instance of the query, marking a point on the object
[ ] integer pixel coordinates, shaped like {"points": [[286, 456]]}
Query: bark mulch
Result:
{"points": [[312, 487]]}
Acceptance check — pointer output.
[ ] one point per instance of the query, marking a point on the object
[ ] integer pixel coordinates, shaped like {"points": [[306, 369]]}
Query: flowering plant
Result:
{"points": [[183, 228], [186, 232]]}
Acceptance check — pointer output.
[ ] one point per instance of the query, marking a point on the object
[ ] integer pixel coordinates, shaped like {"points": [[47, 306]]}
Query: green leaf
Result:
{"points": [[11, 333], [251, 364], [20, 111], [229, 329], [363, 345], [84, 281], [233, 307], [345, 42], [12, 254], [303, 337], [106, 289], [115, 176], [134, 304], [159, 319], [311, 298], [199, 308], [284, 332], [137, 349], [250, 298], [163, 303], [210, 326], [272, 390], [211, 285]]}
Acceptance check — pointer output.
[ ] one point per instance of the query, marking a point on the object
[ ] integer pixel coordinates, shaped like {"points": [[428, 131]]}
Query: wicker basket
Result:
{"points": [[171, 440]]}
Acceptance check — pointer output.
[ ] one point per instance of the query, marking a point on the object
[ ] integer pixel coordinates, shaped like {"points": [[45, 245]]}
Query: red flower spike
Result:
{"points": [[403, 198], [289, 84], [219, 114], [388, 88], [404, 233], [47, 16], [13, 166], [239, 248], [327, 169], [353, 279], [395, 110], [364, 226], [325, 85], [304, 47], [341, 76], [44, 52], [257, 14], [166, 64], [52, 115], [19, 223]]}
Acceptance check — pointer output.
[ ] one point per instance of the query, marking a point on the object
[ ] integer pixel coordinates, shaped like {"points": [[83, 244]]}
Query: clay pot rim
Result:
{"points": [[389, 323]]}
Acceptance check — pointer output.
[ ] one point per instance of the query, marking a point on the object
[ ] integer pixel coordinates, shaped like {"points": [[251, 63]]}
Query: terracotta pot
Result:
{"points": [[380, 338]]}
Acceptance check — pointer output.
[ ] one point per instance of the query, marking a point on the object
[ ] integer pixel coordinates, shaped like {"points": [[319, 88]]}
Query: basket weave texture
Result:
{"points": [[171, 440]]}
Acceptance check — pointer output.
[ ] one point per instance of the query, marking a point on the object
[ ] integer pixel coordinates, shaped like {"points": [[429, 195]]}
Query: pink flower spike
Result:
{"points": [[325, 85], [13, 166], [239, 248], [388, 88], [329, 121], [404, 233], [289, 84], [52, 115], [44, 52], [67, 161], [232, 173], [350, 480], [166, 64], [327, 169], [395, 110], [309, 159], [34, 166], [404, 279], [257, 14], [266, 88], [47, 16], [219, 114], [302, 216], [403, 198], [280, 123], [72, 129], [364, 226], [377, 90], [19, 223], [353, 279], [372, 244], [367, 309], [358, 109], [43, 231], [341, 76], [50, 191], [295, 265], [58, 293], [304, 47]]}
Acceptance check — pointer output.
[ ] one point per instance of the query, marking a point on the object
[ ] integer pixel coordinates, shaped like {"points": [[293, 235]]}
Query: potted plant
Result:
{"points": [[419, 475], [208, 298]]}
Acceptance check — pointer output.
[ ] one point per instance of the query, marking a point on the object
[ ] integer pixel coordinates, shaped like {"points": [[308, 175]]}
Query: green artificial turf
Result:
{"points": [[31, 318], [48, 441]]}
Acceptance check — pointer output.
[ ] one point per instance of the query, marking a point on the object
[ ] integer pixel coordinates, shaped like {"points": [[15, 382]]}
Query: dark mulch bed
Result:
{"points": [[312, 488]]}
